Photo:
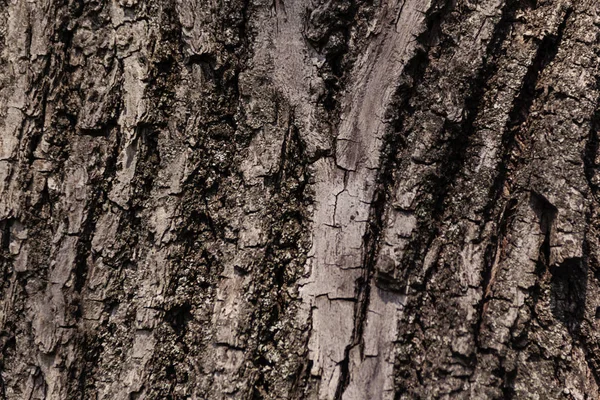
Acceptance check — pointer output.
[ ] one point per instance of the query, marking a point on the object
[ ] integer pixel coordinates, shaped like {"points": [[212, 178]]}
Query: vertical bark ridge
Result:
{"points": [[469, 280], [328, 200], [331, 290], [512, 157], [558, 269], [361, 379]]}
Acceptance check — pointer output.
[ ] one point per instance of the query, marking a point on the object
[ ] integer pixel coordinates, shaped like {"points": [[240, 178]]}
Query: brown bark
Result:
{"points": [[299, 200]]}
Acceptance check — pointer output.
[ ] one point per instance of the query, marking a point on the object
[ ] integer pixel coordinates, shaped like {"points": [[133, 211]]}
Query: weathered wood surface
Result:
{"points": [[299, 199]]}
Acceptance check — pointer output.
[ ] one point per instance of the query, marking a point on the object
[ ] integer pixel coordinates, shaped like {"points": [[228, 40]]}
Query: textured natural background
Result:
{"points": [[299, 199]]}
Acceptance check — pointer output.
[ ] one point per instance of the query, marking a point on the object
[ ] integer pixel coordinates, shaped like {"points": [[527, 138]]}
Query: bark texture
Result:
{"points": [[299, 199]]}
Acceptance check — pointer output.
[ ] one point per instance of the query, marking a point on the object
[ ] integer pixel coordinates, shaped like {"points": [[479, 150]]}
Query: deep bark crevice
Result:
{"points": [[168, 174], [394, 142], [518, 116], [512, 160]]}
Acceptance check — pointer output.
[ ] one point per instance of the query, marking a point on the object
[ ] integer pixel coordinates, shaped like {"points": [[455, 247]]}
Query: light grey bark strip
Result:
{"points": [[344, 190]]}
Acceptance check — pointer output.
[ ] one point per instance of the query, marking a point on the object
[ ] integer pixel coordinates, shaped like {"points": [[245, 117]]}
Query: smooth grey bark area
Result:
{"points": [[299, 199]]}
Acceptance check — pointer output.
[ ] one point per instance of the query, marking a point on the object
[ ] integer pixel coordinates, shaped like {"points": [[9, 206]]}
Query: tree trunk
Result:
{"points": [[301, 199]]}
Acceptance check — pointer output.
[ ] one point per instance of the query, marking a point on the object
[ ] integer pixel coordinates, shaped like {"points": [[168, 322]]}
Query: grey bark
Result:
{"points": [[300, 199]]}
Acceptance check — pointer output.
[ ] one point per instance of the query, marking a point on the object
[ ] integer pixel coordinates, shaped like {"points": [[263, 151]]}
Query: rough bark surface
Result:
{"points": [[299, 199]]}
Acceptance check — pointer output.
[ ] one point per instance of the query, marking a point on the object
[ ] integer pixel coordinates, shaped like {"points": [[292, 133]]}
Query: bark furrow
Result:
{"points": [[315, 199]]}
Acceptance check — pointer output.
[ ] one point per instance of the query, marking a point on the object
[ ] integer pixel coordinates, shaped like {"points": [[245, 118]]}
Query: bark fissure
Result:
{"points": [[512, 160], [393, 143], [513, 135], [324, 200]]}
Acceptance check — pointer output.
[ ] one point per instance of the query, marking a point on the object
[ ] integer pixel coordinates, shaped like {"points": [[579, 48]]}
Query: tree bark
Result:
{"points": [[307, 199]]}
